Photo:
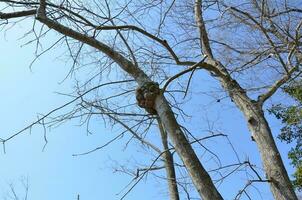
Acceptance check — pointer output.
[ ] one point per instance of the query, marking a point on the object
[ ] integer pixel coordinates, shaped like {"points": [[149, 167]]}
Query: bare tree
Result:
{"points": [[251, 48], [252, 109]]}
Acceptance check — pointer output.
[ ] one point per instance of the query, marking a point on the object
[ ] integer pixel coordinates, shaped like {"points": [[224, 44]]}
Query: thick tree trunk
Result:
{"points": [[199, 175], [276, 173]]}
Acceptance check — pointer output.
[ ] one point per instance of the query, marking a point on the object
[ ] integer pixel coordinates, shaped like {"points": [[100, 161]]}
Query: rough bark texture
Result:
{"points": [[275, 171]]}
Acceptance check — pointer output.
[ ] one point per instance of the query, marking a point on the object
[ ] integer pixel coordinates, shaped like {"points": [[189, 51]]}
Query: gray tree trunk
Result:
{"points": [[273, 165], [201, 179], [169, 164], [276, 173]]}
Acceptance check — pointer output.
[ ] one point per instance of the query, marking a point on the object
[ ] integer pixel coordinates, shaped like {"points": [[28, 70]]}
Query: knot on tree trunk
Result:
{"points": [[252, 121], [146, 95]]}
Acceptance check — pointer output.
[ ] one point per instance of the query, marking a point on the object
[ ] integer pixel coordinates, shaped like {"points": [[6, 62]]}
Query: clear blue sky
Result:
{"points": [[54, 173]]}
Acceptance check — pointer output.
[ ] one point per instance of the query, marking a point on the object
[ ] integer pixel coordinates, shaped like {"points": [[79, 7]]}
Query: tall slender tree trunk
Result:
{"points": [[276, 173], [169, 164]]}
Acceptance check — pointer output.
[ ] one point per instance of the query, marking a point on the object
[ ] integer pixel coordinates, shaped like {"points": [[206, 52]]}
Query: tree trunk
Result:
{"points": [[276, 173], [199, 175], [169, 164]]}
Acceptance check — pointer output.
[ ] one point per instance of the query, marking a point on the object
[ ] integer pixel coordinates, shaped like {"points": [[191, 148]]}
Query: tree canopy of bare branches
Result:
{"points": [[251, 48]]}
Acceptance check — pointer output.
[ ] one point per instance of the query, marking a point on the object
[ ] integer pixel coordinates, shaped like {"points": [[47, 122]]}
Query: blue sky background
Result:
{"points": [[55, 173]]}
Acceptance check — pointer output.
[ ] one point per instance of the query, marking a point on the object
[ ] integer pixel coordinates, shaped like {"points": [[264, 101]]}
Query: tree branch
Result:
{"points": [[169, 163], [24, 13], [164, 43], [204, 39], [123, 62], [182, 73], [263, 97]]}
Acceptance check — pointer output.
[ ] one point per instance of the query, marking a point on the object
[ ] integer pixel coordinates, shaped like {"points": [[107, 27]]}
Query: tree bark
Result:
{"points": [[276, 173]]}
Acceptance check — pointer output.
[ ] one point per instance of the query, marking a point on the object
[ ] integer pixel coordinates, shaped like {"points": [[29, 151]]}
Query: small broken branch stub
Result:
{"points": [[146, 95]]}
